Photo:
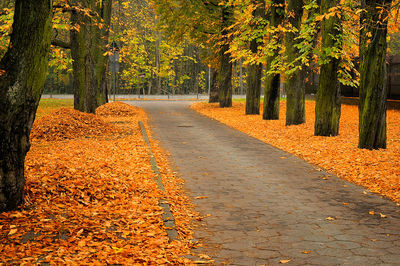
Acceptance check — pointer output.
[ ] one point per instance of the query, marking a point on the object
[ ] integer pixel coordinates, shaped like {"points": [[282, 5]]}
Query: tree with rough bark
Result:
{"points": [[22, 75], [254, 70], [213, 87], [373, 74], [295, 89], [272, 81], [328, 103], [90, 21], [224, 77]]}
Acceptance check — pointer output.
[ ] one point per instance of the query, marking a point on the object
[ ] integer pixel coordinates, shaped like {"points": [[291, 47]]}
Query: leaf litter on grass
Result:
{"points": [[377, 170], [94, 200]]}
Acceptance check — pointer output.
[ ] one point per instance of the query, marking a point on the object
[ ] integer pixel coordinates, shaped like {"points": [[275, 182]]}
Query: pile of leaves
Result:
{"points": [[67, 123], [116, 109], [377, 170], [95, 201]]}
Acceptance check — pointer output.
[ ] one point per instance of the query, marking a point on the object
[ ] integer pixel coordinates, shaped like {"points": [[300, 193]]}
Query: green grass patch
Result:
{"points": [[48, 105]]}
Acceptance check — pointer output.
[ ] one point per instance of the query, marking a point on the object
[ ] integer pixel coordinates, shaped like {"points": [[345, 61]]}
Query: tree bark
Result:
{"points": [[327, 108], [373, 74], [88, 44], [273, 80], [214, 87], [225, 68], [295, 87], [254, 71], [22, 75]]}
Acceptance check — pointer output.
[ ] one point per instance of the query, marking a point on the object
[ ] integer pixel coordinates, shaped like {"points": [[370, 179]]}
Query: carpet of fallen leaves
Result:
{"points": [[377, 170], [92, 199]]}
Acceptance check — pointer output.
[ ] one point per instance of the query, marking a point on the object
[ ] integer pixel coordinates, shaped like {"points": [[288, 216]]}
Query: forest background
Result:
{"points": [[153, 60]]}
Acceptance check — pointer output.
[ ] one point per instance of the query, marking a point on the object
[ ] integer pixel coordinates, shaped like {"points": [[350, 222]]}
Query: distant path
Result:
{"points": [[267, 205]]}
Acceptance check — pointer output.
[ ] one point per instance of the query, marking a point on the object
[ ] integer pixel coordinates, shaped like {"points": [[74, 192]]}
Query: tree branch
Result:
{"points": [[61, 44]]}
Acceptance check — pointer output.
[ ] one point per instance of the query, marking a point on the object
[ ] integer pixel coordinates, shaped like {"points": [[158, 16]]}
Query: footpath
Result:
{"points": [[264, 206]]}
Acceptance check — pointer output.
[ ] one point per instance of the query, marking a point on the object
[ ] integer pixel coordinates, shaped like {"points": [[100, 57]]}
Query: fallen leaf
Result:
{"points": [[330, 218], [118, 250], [372, 212], [284, 261], [306, 251], [201, 197], [204, 256], [382, 215], [203, 261], [12, 231]]}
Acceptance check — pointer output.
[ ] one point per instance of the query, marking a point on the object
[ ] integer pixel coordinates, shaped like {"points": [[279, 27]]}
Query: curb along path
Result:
{"points": [[266, 206], [167, 216]]}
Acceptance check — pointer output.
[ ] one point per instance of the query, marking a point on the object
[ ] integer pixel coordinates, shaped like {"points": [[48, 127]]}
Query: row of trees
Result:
{"points": [[292, 38], [283, 36], [23, 70]]}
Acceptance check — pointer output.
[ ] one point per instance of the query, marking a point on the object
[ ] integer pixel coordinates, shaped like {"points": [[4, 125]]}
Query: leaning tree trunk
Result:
{"points": [[22, 75], [254, 71], [88, 45], [295, 87], [273, 80], [373, 74], [214, 87], [225, 65], [327, 108]]}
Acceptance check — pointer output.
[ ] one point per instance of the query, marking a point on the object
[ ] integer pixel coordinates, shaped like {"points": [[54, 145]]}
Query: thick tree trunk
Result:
{"points": [[373, 74], [88, 45], [22, 76], [327, 108], [225, 68], [214, 88], [254, 71], [253, 94], [273, 80], [295, 87]]}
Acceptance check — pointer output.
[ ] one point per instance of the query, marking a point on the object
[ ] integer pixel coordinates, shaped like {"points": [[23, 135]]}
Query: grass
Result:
{"points": [[48, 105]]}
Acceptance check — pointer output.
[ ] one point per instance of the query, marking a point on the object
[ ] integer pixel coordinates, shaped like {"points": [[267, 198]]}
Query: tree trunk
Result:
{"points": [[88, 45], [214, 88], [273, 80], [225, 68], [327, 108], [295, 89], [373, 74], [22, 75], [254, 71]]}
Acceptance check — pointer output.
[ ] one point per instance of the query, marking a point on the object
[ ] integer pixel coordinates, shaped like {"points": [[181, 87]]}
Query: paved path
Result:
{"points": [[266, 205]]}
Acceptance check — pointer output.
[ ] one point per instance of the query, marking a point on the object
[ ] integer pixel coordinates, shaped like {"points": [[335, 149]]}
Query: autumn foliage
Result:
{"points": [[91, 196], [67, 123], [377, 170]]}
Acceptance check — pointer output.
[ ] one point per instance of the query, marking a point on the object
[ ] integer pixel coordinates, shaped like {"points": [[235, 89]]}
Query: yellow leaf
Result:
{"points": [[118, 250], [284, 261], [204, 257], [330, 218], [12, 231], [382, 215]]}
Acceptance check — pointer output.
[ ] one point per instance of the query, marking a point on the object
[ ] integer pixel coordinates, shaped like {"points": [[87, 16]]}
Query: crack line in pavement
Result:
{"points": [[167, 216]]}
